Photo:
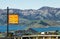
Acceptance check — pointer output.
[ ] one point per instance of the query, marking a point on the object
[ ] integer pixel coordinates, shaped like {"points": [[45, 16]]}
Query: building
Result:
{"points": [[38, 37]]}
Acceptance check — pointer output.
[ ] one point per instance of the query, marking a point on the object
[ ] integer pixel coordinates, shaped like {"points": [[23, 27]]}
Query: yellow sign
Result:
{"points": [[13, 19]]}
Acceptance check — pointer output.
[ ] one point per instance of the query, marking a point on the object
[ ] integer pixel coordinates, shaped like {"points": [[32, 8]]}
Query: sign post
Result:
{"points": [[7, 21], [12, 18]]}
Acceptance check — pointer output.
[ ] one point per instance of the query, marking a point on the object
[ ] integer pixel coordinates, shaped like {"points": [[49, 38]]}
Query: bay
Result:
{"points": [[11, 28]]}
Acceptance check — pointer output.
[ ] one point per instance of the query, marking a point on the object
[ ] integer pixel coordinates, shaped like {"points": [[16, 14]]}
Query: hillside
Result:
{"points": [[45, 16]]}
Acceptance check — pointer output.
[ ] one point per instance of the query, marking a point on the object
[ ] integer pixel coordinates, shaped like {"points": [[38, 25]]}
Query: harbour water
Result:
{"points": [[14, 28], [11, 28]]}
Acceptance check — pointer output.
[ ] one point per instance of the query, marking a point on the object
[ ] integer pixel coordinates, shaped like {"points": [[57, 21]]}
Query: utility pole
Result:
{"points": [[7, 21]]}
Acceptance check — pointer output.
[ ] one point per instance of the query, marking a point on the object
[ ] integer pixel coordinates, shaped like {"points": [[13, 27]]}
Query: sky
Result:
{"points": [[28, 4]]}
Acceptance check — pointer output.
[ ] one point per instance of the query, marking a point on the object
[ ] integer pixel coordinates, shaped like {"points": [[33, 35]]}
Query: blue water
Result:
{"points": [[14, 28], [46, 29], [11, 28]]}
